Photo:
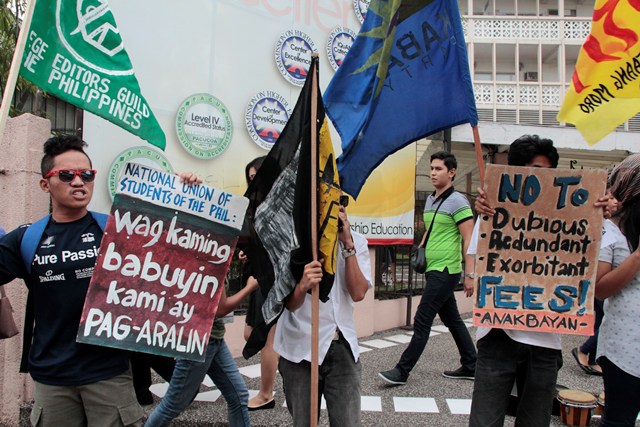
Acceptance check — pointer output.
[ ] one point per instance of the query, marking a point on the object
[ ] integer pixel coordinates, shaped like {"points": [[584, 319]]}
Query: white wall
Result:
{"points": [[222, 47]]}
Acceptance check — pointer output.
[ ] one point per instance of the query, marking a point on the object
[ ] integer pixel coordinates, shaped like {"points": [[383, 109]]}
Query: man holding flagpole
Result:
{"points": [[339, 366], [294, 209], [529, 359]]}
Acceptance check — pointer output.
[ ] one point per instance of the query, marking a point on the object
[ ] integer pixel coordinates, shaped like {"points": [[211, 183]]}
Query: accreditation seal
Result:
{"points": [[293, 56], [338, 44], [265, 118], [360, 7], [204, 126], [143, 155]]}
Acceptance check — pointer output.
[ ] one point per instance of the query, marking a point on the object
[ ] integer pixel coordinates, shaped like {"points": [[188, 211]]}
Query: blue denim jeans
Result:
{"points": [[438, 298], [186, 380], [339, 379], [503, 361]]}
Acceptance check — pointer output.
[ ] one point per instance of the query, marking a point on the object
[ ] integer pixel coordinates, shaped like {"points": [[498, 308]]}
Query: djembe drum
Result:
{"points": [[576, 407]]}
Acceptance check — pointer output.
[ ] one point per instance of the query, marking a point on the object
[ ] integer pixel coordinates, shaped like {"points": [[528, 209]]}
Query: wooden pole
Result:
{"points": [[479, 158], [315, 295], [14, 70]]}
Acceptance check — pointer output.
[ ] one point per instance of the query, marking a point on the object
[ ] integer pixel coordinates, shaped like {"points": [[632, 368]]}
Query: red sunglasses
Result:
{"points": [[68, 175]]}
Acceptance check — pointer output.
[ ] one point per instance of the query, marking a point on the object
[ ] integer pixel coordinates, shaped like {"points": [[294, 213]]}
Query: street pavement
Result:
{"points": [[428, 399]]}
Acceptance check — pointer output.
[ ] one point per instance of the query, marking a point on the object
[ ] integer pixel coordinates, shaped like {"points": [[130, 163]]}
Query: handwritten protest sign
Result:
{"points": [[162, 263], [536, 259]]}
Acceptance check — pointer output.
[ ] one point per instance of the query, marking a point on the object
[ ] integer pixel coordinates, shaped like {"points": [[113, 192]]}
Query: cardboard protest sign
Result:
{"points": [[163, 259], [536, 258]]}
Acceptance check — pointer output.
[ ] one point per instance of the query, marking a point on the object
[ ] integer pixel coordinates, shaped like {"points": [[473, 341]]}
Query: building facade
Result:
{"points": [[522, 55]]}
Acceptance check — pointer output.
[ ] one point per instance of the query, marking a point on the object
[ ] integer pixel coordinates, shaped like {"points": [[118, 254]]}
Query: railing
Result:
{"points": [[392, 276], [392, 273], [535, 104], [522, 93], [518, 28]]}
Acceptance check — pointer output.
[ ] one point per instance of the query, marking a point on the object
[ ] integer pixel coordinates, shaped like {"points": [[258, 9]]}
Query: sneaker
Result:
{"points": [[461, 373], [393, 376]]}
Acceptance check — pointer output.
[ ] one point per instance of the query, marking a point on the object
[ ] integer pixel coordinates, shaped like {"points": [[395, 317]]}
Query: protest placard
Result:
{"points": [[537, 256], [163, 259]]}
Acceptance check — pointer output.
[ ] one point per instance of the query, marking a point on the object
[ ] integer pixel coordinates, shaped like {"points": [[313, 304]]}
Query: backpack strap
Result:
{"points": [[100, 218], [28, 247], [30, 241]]}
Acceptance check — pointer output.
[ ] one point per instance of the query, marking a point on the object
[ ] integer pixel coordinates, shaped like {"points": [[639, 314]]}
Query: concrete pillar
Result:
{"points": [[21, 201]]}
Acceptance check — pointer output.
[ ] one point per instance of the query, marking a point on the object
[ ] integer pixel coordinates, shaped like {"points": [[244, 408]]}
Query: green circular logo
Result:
{"points": [[204, 126], [142, 155], [88, 30]]}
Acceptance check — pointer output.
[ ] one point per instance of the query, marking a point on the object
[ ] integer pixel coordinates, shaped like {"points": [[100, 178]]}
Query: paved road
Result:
{"points": [[446, 400]]}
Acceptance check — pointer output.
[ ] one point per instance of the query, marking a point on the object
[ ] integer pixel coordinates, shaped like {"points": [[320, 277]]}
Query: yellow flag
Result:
{"points": [[605, 88], [329, 199]]}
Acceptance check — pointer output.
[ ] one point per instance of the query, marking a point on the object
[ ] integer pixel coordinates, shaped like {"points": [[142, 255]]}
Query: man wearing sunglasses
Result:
{"points": [[75, 384]]}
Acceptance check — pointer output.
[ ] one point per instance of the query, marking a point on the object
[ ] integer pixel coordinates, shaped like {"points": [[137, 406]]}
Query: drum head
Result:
{"points": [[576, 397]]}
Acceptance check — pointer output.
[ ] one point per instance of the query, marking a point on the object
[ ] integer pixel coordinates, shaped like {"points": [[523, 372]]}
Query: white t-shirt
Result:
{"points": [[540, 339], [619, 336], [293, 330]]}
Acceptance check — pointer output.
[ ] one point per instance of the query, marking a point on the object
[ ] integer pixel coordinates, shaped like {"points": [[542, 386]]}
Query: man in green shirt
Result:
{"points": [[449, 222]]}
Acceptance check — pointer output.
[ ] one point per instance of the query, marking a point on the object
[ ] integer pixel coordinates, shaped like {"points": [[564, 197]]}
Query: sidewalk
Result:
{"points": [[428, 399]]}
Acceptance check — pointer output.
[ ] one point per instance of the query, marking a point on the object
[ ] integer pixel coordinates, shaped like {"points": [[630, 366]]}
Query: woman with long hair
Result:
{"points": [[618, 283]]}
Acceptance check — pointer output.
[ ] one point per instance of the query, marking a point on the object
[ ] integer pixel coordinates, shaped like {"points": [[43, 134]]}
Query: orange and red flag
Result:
{"points": [[605, 88]]}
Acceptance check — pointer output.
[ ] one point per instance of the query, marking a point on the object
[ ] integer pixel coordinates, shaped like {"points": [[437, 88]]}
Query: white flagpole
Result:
{"points": [[10, 87]]}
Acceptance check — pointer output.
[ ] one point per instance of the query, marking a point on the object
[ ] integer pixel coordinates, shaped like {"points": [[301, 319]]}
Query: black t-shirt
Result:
{"points": [[58, 283]]}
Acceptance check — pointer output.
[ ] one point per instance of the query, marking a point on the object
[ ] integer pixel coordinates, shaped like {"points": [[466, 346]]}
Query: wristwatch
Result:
{"points": [[470, 275], [347, 252]]}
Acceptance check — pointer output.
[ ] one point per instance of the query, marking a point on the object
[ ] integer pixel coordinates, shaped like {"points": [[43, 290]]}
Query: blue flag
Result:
{"points": [[406, 76]]}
